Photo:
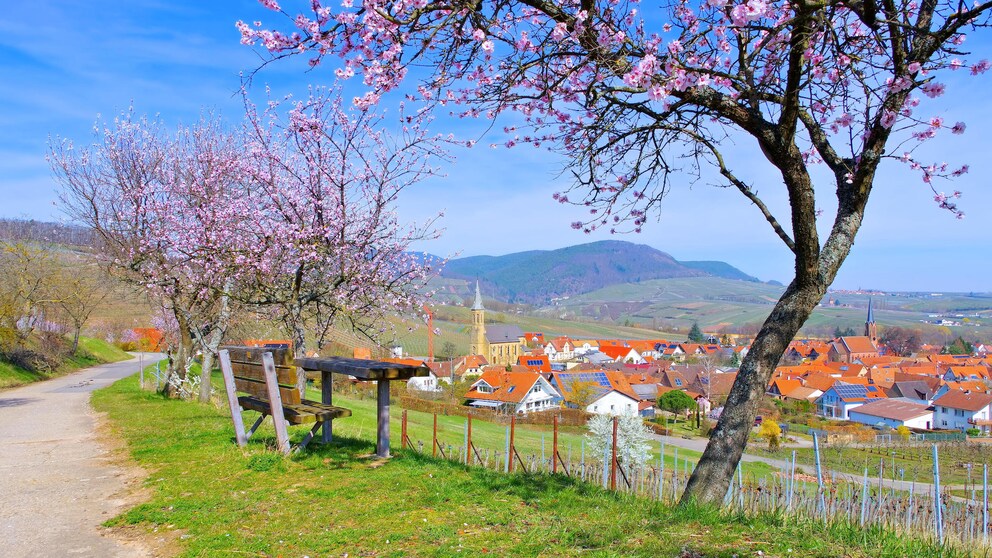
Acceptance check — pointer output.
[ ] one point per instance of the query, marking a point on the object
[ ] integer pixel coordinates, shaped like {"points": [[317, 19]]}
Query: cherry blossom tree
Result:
{"points": [[162, 205], [291, 215], [327, 249], [636, 98]]}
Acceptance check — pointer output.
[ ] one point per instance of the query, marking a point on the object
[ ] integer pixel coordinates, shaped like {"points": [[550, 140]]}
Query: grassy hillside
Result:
{"points": [[715, 302], [215, 499], [91, 352]]}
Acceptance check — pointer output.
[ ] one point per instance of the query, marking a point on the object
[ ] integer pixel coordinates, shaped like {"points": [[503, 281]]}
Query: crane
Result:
{"points": [[430, 334]]}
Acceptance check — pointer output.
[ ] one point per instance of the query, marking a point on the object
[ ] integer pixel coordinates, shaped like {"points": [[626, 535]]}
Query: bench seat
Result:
{"points": [[304, 412]]}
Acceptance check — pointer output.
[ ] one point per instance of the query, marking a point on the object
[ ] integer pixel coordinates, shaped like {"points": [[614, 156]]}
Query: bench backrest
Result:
{"points": [[249, 375]]}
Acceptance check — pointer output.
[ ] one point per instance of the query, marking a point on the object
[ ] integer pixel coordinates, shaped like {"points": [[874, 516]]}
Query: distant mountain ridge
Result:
{"points": [[538, 276]]}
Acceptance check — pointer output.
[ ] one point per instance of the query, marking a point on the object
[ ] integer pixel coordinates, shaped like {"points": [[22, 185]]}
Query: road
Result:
{"points": [[58, 482]]}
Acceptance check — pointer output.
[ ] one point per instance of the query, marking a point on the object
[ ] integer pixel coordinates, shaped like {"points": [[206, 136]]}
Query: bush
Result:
{"points": [[973, 432]]}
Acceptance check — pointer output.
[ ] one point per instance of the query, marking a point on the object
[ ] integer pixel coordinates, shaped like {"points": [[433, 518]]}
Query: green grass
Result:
{"points": [[91, 352], [101, 350], [333, 500]]}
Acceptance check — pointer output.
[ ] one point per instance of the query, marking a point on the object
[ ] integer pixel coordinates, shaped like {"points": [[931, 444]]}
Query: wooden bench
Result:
{"points": [[274, 387]]}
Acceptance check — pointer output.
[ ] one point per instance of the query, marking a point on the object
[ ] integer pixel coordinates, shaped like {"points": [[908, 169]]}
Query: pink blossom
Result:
{"points": [[888, 119], [933, 89]]}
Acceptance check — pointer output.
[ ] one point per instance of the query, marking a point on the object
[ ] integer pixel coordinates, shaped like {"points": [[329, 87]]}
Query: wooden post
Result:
{"points": [[613, 458], [434, 438], [232, 398], [554, 447], [403, 431], [468, 441], [382, 432], [327, 398], [275, 402], [513, 451]]}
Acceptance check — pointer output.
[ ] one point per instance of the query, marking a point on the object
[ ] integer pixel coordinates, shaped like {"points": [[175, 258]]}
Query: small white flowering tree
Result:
{"points": [[633, 450]]}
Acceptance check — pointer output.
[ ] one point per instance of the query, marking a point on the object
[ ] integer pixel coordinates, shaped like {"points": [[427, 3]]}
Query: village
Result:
{"points": [[849, 378]]}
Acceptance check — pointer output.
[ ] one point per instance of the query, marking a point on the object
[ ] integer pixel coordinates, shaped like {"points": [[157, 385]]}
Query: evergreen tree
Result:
{"points": [[695, 334]]}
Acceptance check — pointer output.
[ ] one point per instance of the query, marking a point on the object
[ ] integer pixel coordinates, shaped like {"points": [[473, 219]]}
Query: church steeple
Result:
{"points": [[871, 331], [477, 342], [478, 299]]}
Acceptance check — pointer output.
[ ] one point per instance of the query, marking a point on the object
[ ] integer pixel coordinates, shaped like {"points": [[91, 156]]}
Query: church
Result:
{"points": [[851, 349], [500, 343]]}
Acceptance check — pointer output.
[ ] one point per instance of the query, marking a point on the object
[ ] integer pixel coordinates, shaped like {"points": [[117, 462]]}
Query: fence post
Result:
{"points": [[819, 477], [985, 503], [466, 438], [554, 447], [582, 459], [661, 472], [613, 457], [468, 441], [434, 441], [403, 429], [513, 450], [141, 371], [792, 482], [543, 456], [506, 465], [864, 497], [937, 511]]}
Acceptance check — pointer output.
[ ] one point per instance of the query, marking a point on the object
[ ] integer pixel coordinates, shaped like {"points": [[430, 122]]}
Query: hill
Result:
{"points": [[540, 276]]}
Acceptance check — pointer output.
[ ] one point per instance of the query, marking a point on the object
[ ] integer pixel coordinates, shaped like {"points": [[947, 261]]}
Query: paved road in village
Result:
{"points": [[58, 483]]}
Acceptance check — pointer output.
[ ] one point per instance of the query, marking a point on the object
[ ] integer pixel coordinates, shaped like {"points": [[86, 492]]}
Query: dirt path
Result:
{"points": [[58, 482]]}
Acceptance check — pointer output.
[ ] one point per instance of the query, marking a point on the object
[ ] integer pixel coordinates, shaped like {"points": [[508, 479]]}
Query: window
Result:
{"points": [[483, 388], [944, 411]]}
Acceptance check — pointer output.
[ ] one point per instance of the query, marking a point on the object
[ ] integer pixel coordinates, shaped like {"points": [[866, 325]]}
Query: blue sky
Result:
{"points": [[63, 63]]}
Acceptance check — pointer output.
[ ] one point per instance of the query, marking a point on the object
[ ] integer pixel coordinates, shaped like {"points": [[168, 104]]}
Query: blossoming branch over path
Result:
{"points": [[59, 483]]}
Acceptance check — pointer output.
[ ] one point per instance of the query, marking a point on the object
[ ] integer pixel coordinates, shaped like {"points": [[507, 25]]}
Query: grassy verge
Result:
{"points": [[91, 352], [336, 500]]}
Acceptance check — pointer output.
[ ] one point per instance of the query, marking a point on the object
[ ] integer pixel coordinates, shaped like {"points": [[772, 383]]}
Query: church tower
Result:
{"points": [[871, 331], [477, 342]]}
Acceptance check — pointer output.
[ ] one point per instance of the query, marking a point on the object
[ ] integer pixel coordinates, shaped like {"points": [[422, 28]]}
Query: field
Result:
{"points": [[714, 302], [213, 498]]}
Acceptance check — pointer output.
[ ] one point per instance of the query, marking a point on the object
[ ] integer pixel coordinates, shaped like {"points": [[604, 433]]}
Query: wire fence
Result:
{"points": [[959, 516]]}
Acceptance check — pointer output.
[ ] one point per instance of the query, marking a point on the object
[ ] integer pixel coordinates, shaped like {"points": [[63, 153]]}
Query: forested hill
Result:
{"points": [[538, 276]]}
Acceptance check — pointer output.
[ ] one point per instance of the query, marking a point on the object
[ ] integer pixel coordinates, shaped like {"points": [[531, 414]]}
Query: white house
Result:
{"points": [[958, 410], [560, 349], [893, 413], [604, 392], [513, 392]]}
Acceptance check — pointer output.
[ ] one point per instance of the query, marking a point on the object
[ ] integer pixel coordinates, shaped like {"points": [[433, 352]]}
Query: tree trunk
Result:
{"points": [[205, 376], [212, 345], [715, 471], [75, 341]]}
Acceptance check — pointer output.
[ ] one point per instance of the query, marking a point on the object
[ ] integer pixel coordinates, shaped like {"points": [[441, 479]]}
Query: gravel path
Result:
{"points": [[58, 483]]}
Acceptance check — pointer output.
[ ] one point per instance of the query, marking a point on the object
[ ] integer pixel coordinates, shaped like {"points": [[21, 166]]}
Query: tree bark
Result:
{"points": [[715, 471]]}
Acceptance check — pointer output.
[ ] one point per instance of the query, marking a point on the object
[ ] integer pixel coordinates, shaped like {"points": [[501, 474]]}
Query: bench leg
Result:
{"points": [[255, 426], [309, 436], [232, 399], [327, 398], [275, 402], [382, 422]]}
